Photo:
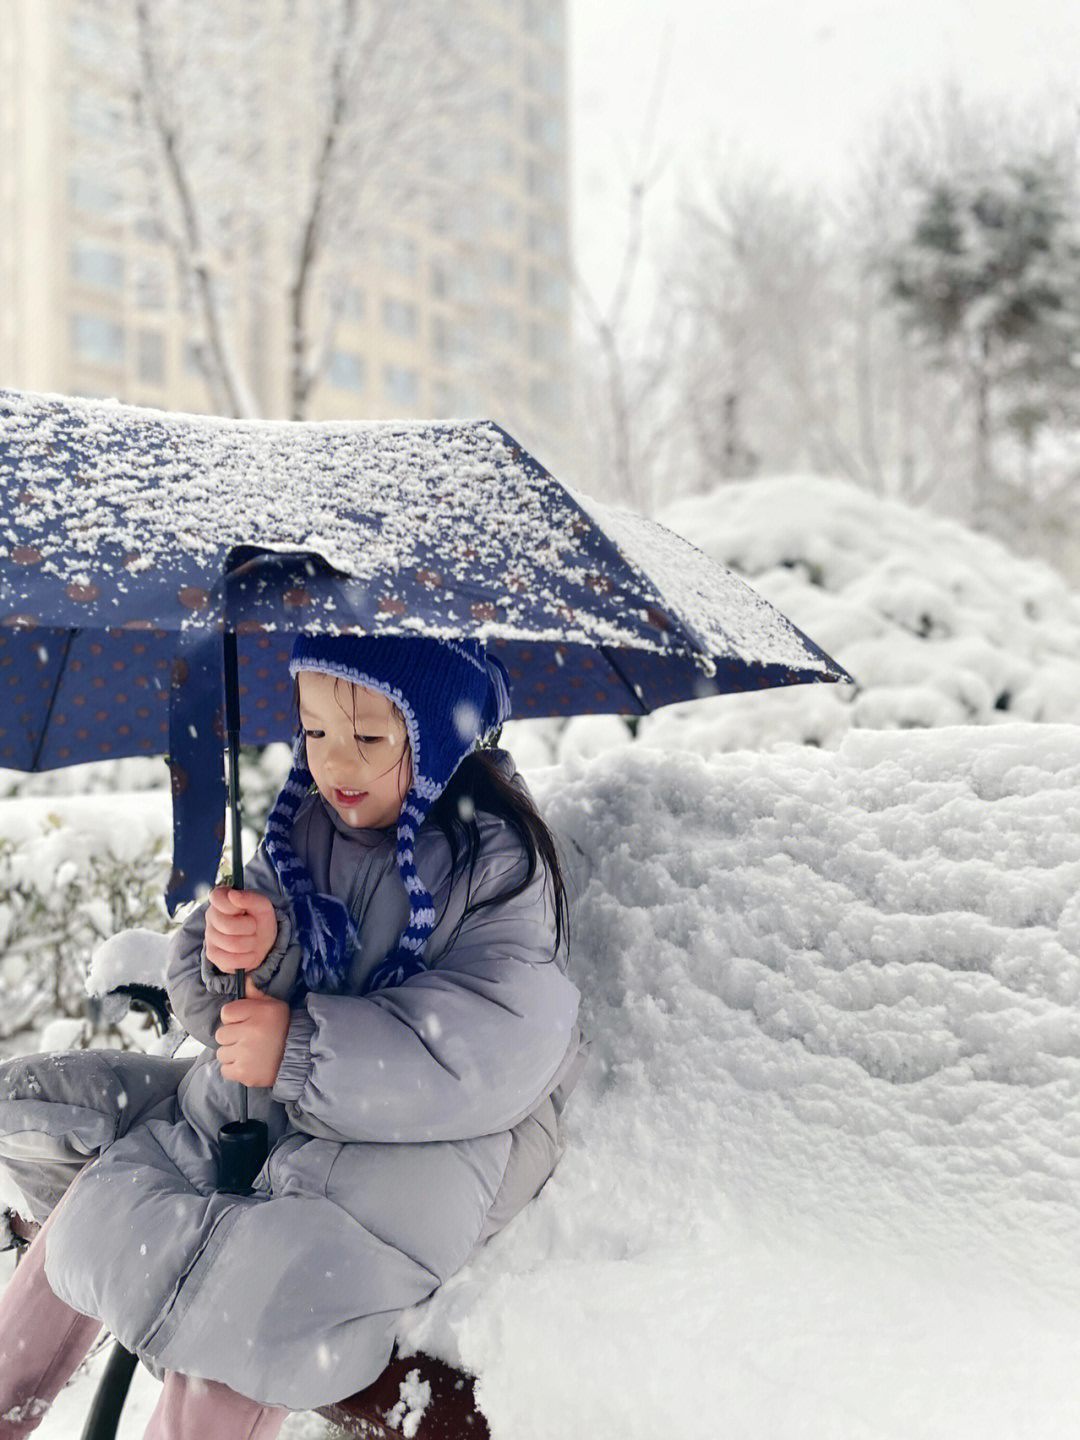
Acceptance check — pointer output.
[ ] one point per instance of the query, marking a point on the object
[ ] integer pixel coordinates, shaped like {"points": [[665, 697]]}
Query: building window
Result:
{"points": [[545, 237], [545, 72], [466, 164], [401, 385], [91, 265], [354, 305], [92, 195], [543, 126], [89, 40], [544, 181], [502, 212], [149, 288], [547, 289], [346, 371], [544, 18], [193, 359], [501, 154], [502, 325], [466, 221], [460, 282], [400, 318], [150, 356], [99, 341], [451, 341], [501, 267], [400, 254], [90, 115], [500, 104]]}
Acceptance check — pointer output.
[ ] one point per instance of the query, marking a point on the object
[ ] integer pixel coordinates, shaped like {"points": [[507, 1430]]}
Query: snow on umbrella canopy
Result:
{"points": [[132, 539]]}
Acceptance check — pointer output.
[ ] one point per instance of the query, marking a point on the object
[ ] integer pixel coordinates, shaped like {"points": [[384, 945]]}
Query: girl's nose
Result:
{"points": [[339, 753]]}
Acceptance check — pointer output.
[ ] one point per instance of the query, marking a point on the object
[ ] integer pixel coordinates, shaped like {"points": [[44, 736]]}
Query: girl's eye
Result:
{"points": [[369, 739], [314, 734]]}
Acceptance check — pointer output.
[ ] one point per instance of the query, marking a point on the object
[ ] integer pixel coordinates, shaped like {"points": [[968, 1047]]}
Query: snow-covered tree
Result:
{"points": [[987, 277], [766, 357]]}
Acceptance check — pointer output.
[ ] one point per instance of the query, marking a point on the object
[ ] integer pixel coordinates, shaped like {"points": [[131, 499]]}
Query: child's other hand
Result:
{"points": [[251, 1038], [241, 927]]}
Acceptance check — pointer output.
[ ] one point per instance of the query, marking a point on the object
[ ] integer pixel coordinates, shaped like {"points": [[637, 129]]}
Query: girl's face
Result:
{"points": [[357, 749]]}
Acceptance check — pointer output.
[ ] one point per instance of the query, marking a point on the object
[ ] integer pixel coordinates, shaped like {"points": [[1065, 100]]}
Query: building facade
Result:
{"points": [[456, 306]]}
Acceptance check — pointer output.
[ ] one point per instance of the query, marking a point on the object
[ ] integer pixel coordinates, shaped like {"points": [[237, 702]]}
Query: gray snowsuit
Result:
{"points": [[406, 1127]]}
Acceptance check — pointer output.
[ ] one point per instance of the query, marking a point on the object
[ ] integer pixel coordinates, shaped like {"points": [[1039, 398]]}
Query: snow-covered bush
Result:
{"points": [[73, 872], [261, 774], [99, 777], [937, 624]]}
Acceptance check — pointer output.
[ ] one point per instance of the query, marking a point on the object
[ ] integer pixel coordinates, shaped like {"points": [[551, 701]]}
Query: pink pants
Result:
{"points": [[42, 1341]]}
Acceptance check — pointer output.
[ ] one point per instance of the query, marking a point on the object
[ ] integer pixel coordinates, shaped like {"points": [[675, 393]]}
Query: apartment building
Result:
{"points": [[458, 307]]}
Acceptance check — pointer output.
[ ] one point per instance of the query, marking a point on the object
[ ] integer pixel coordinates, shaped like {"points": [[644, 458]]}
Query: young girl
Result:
{"points": [[412, 1035]]}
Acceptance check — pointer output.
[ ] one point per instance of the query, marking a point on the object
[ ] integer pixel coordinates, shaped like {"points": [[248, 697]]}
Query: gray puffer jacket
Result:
{"points": [[406, 1127]]}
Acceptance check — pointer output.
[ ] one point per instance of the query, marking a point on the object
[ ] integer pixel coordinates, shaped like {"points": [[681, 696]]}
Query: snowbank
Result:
{"points": [[823, 1177]]}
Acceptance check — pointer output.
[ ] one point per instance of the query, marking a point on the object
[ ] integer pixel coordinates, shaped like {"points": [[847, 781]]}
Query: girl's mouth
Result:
{"points": [[349, 797]]}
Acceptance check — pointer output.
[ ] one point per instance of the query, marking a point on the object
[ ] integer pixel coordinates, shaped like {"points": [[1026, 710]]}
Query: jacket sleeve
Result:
{"points": [[198, 990], [463, 1049]]}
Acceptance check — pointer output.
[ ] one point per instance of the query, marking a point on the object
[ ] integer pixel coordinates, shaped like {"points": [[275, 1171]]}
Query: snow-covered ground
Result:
{"points": [[823, 1175]]}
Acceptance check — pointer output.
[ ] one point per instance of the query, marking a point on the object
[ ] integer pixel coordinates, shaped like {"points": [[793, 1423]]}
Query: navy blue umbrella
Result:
{"points": [[154, 569], [133, 541]]}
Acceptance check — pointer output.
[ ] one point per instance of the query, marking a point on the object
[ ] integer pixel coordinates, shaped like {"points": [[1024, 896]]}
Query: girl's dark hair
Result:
{"points": [[479, 783]]}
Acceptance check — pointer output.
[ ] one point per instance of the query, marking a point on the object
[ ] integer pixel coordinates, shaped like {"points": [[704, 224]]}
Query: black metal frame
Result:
{"points": [[107, 1406]]}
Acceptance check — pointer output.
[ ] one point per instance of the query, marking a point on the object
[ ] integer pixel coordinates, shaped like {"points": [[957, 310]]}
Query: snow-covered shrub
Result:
{"points": [[137, 772], [937, 624], [73, 872], [261, 774]]}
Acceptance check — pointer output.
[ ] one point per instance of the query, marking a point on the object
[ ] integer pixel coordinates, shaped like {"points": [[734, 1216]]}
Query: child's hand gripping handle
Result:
{"points": [[241, 927]]}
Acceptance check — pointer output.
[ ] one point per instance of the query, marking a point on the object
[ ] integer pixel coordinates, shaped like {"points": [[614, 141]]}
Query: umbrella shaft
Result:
{"points": [[232, 725], [232, 730]]}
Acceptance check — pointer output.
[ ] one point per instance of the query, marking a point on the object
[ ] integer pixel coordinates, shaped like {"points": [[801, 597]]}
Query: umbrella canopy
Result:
{"points": [[131, 540]]}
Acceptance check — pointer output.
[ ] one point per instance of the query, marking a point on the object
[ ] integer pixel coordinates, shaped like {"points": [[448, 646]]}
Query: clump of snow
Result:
{"points": [[48, 834], [136, 772], [722, 610], [135, 956], [822, 1176], [64, 1034], [407, 1414]]}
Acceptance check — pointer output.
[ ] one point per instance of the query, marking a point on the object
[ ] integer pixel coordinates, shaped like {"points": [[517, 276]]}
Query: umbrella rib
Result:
{"points": [[633, 689], [69, 635]]}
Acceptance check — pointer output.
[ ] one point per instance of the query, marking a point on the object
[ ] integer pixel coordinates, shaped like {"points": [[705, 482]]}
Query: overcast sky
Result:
{"points": [[790, 83]]}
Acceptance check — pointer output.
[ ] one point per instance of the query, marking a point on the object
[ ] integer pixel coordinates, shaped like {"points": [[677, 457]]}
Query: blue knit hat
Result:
{"points": [[451, 695]]}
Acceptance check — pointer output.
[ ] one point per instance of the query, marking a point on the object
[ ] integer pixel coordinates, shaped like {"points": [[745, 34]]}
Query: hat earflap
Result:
{"points": [[324, 926]]}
